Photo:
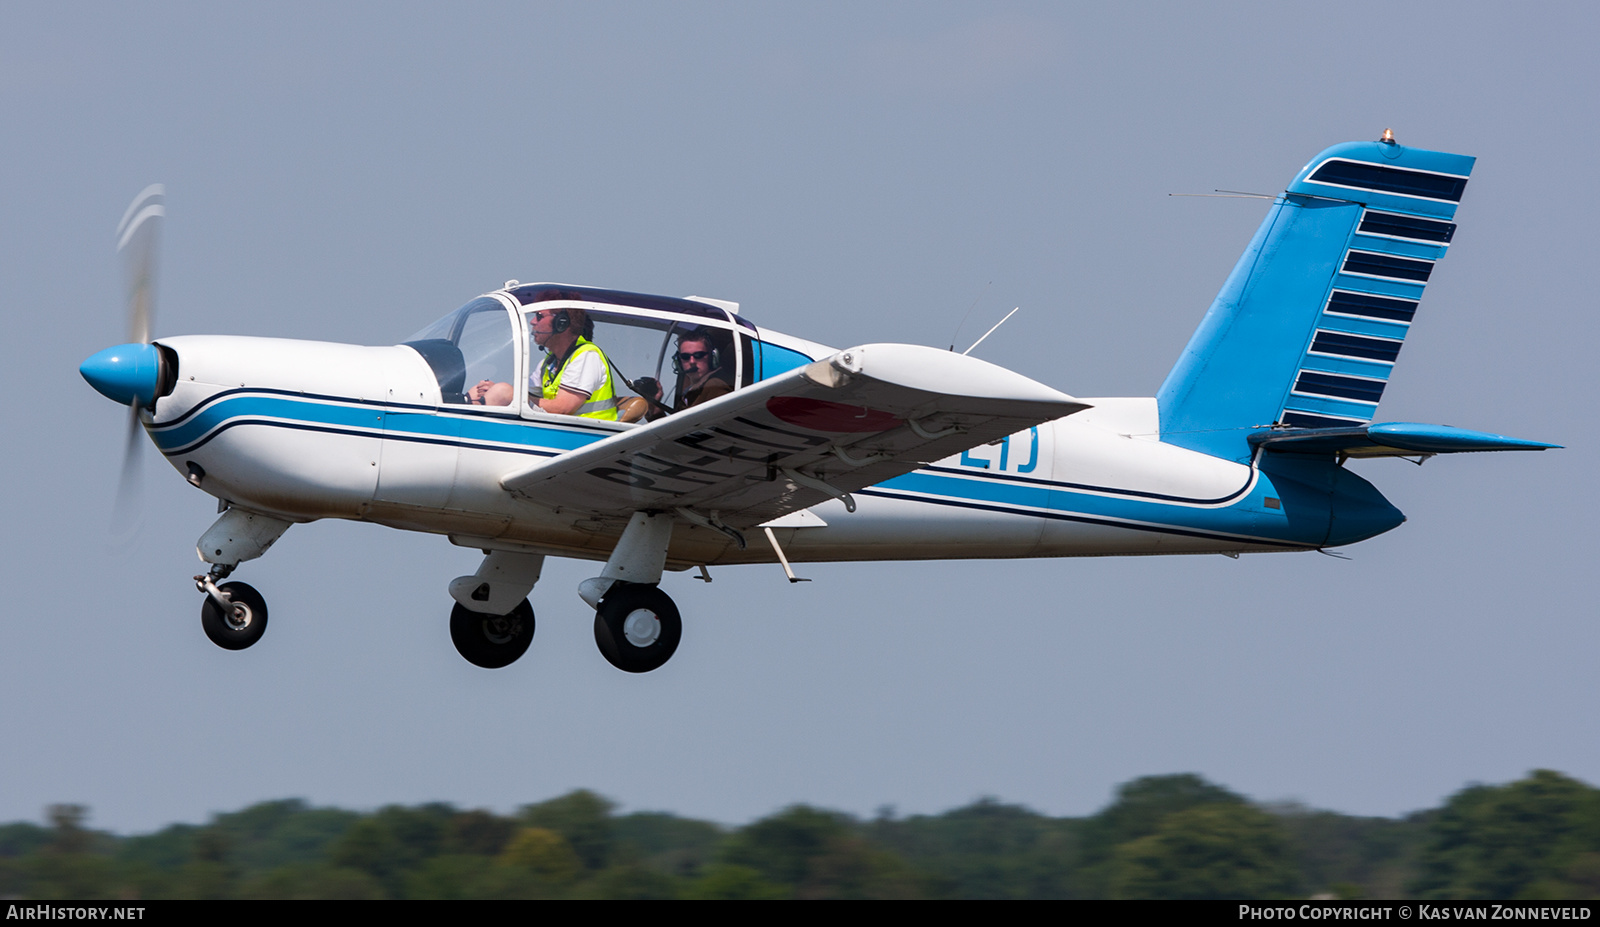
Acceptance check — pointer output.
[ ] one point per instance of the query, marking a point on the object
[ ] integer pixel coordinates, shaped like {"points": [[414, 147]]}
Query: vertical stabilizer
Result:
{"points": [[1307, 327]]}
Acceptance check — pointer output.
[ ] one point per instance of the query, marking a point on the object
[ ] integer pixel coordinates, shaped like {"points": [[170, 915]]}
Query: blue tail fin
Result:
{"points": [[1307, 327]]}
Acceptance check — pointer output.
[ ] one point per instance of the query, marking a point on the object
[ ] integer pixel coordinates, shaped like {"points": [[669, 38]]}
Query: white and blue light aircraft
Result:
{"points": [[874, 452]]}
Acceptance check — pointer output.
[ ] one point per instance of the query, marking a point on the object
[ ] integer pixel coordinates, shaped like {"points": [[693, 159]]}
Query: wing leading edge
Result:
{"points": [[859, 417]]}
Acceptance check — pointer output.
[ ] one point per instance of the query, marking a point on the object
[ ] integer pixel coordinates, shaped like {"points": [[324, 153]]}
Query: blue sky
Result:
{"points": [[849, 173]]}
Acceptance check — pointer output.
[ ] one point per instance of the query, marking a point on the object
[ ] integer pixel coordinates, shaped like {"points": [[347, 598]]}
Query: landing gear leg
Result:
{"points": [[492, 641], [492, 623], [234, 615], [636, 625]]}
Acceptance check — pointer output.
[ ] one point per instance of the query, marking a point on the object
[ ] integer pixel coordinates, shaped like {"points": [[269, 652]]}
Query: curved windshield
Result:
{"points": [[470, 351]]}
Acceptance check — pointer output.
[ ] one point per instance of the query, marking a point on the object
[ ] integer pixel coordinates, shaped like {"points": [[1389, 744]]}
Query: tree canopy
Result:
{"points": [[1173, 836]]}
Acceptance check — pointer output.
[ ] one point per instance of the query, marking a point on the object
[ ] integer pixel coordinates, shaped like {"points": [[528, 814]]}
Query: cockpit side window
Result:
{"points": [[632, 345], [771, 359], [645, 351]]}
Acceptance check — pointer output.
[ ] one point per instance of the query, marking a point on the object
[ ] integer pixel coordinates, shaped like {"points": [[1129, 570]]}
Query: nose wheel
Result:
{"points": [[234, 616], [492, 641], [637, 627]]}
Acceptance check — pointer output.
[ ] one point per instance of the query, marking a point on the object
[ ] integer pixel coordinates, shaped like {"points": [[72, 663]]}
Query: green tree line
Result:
{"points": [[1175, 836]]}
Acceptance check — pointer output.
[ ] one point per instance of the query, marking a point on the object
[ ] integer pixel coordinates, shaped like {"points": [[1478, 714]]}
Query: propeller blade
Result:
{"points": [[139, 244], [126, 512], [139, 241]]}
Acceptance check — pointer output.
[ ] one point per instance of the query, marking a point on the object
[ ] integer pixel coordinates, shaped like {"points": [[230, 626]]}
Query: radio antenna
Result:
{"points": [[969, 314], [1231, 193]]}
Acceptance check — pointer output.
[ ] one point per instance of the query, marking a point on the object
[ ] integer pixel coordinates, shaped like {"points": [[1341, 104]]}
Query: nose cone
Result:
{"points": [[127, 373]]}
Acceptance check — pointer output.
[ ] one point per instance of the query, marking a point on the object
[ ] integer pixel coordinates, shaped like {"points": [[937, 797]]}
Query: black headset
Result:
{"points": [[716, 360], [560, 321]]}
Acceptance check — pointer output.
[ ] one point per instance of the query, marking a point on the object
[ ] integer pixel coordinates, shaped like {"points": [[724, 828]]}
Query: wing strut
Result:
{"points": [[787, 569]]}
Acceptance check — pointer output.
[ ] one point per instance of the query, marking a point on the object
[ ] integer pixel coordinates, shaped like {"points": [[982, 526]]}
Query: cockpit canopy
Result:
{"points": [[669, 352]]}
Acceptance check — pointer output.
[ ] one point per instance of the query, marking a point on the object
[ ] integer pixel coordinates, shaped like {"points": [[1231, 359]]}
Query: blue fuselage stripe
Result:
{"points": [[1230, 517], [1232, 521], [1085, 519], [200, 425]]}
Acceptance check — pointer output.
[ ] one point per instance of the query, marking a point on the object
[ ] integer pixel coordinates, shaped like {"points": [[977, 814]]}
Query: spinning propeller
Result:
{"points": [[133, 373]]}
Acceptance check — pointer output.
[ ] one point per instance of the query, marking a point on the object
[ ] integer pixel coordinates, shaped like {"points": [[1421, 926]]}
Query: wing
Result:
{"points": [[860, 417]]}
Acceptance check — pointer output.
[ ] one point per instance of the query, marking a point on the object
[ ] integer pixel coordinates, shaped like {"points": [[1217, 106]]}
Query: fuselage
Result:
{"points": [[309, 430]]}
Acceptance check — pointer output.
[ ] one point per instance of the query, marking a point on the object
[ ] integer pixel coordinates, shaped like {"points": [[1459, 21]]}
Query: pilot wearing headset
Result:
{"points": [[574, 377]]}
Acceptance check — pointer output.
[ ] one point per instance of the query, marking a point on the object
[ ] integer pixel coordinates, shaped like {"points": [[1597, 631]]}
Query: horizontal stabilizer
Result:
{"points": [[1389, 439]]}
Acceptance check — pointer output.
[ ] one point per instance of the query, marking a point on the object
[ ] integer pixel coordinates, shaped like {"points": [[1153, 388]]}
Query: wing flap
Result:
{"points": [[860, 417]]}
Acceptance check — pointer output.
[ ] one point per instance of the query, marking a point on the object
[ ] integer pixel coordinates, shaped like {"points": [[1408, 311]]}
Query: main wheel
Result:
{"points": [[637, 627], [239, 626], [492, 641]]}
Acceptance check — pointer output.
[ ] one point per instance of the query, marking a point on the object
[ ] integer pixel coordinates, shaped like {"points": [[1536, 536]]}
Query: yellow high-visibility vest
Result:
{"points": [[602, 402]]}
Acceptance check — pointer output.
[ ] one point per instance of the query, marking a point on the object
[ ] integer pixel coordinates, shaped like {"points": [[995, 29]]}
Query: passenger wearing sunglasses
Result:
{"points": [[697, 371], [697, 363]]}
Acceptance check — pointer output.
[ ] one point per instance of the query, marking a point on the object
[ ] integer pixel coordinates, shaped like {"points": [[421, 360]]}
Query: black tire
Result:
{"points": [[244, 624], [650, 640], [492, 641]]}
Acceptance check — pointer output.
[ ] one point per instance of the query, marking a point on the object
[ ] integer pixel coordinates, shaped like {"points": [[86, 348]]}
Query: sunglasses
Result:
{"points": [[693, 355]]}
